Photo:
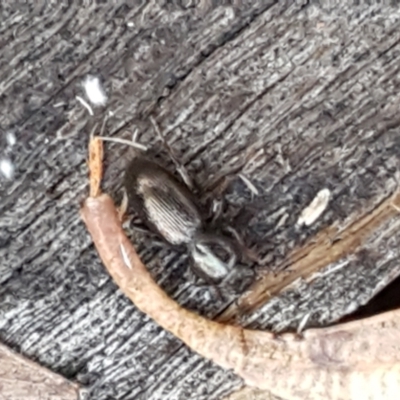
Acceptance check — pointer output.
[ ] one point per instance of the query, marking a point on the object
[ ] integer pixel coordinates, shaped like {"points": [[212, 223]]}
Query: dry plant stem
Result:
{"points": [[357, 360], [95, 165]]}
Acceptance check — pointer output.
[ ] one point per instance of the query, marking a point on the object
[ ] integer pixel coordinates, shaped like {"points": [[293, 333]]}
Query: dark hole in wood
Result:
{"points": [[386, 300]]}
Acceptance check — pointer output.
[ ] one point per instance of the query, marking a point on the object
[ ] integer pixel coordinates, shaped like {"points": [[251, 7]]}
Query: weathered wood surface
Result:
{"points": [[297, 97]]}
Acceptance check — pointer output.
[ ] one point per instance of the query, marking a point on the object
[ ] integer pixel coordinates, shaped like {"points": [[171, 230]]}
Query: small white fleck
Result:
{"points": [[85, 104], [135, 135], [125, 257], [311, 213], [94, 90], [11, 138], [185, 176], [216, 206], [330, 270], [249, 185], [303, 323], [7, 168], [130, 24], [282, 220]]}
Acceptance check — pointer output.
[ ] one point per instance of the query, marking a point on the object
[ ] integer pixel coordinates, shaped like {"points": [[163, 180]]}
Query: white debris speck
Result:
{"points": [[303, 323], [7, 168], [85, 104], [311, 213], [125, 257], [135, 135], [130, 24], [94, 91], [11, 138], [330, 270], [249, 185]]}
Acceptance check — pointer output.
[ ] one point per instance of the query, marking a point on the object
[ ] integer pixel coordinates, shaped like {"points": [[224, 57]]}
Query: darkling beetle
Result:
{"points": [[169, 208]]}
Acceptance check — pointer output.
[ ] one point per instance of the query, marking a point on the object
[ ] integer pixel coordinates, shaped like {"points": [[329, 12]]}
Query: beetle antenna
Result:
{"points": [[132, 143], [179, 167]]}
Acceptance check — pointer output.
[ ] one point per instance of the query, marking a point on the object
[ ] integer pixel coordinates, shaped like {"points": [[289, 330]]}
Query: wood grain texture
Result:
{"points": [[296, 97], [333, 246]]}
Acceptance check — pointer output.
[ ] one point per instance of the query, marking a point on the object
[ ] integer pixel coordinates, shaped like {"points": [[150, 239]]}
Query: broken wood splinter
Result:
{"points": [[355, 360]]}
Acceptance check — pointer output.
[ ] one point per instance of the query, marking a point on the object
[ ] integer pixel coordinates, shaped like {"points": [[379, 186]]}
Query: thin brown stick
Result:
{"points": [[357, 360], [95, 165], [347, 361]]}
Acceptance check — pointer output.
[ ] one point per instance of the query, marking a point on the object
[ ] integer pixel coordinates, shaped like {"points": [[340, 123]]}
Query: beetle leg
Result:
{"points": [[123, 207], [239, 279], [217, 292], [216, 210], [144, 230], [195, 274], [249, 253]]}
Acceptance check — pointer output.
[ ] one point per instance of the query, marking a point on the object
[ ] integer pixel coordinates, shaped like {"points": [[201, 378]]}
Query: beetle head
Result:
{"points": [[214, 256]]}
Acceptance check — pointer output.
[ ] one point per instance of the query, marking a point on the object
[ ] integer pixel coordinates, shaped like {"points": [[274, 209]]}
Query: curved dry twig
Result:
{"points": [[356, 360]]}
